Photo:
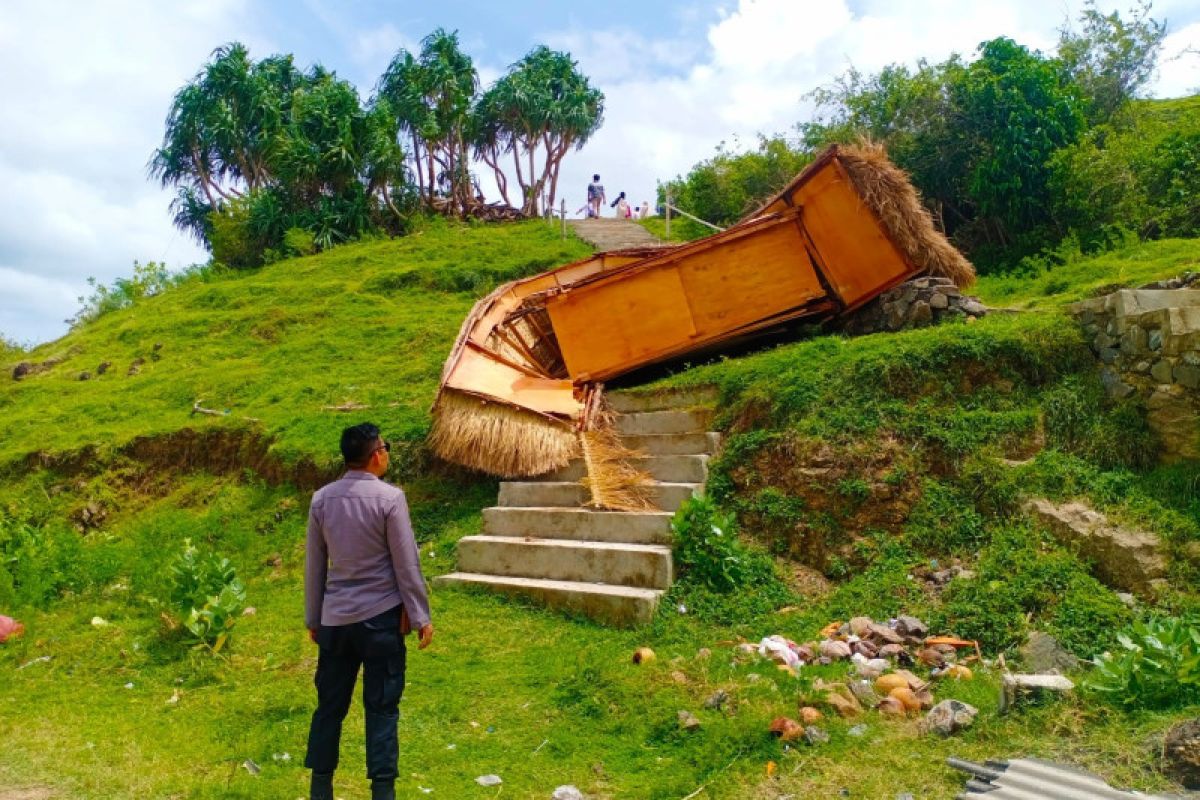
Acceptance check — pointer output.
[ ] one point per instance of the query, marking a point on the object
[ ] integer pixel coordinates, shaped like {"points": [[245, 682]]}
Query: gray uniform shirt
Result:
{"points": [[361, 557]]}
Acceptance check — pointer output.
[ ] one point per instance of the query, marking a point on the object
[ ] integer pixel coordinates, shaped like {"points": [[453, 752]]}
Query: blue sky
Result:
{"points": [[86, 87]]}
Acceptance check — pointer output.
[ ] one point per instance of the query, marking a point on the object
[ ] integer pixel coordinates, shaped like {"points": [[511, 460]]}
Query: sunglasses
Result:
{"points": [[386, 446]]}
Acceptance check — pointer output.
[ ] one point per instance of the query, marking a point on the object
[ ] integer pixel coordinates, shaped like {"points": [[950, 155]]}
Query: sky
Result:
{"points": [[86, 87]]}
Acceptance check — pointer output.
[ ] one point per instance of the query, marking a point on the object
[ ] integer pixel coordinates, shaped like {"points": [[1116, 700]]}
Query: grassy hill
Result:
{"points": [[105, 479]]}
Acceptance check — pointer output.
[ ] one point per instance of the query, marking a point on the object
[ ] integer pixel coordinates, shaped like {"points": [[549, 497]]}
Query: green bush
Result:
{"points": [[708, 552], [38, 564], [945, 521], [205, 591], [299, 242], [1157, 666]]}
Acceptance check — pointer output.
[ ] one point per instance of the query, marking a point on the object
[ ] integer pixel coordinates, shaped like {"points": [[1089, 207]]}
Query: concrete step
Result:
{"points": [[613, 605], [637, 527], [673, 444], [537, 494], [628, 403], [672, 469], [645, 566], [694, 420]]}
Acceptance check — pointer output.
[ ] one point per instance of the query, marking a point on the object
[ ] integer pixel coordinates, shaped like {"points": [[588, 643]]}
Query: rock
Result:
{"points": [[860, 626], [716, 699], [920, 314], [843, 702], [893, 652], [1187, 375], [814, 735], [489, 780], [567, 792], [1181, 754], [949, 717], [925, 698], [834, 650], [958, 672], [688, 721], [1175, 419], [974, 307], [103, 368], [931, 657], [864, 648], [891, 707], [1154, 339], [1109, 355], [643, 655], [1014, 689], [135, 367], [863, 693], [786, 729], [871, 668], [911, 626], [21, 370], [1042, 653], [679, 677], [703, 654], [1127, 599], [1116, 388], [938, 301], [1124, 558], [1161, 371], [85, 376], [809, 715], [882, 634]]}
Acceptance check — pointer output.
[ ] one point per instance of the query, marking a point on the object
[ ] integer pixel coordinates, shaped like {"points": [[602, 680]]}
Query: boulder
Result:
{"points": [[567, 792], [1124, 558], [21, 370], [1181, 754], [1015, 689], [1043, 654], [949, 717], [1174, 416]]}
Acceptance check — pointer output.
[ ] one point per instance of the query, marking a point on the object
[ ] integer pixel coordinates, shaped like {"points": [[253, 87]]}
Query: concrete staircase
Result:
{"points": [[540, 541]]}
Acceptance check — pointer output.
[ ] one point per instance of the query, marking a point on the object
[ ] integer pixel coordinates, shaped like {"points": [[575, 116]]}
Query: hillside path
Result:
{"points": [[614, 234]]}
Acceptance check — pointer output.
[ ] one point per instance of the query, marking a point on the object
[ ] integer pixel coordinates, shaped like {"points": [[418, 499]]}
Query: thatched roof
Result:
{"points": [[887, 191]]}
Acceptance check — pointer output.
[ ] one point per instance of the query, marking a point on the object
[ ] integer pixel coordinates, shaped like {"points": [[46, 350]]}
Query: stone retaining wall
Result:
{"points": [[1148, 342], [922, 301]]}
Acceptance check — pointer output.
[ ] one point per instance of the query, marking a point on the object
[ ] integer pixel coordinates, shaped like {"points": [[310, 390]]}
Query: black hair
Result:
{"points": [[358, 442], [595, 177]]}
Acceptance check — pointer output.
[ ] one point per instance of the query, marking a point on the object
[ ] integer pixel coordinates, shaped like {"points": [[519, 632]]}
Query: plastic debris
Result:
{"points": [[251, 767], [9, 628], [643, 655], [489, 780], [99, 622]]}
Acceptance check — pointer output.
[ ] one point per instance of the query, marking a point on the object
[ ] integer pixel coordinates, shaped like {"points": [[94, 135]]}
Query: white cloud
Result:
{"points": [[1179, 67], [86, 87]]}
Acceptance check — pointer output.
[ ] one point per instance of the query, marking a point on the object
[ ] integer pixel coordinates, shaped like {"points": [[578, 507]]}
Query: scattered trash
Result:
{"points": [[771, 768], [537, 749], [567, 792], [643, 655], [38, 660], [99, 622], [1007, 779], [129, 685], [251, 767], [688, 721], [703, 654], [681, 608], [174, 698], [716, 699], [490, 729], [281, 756], [489, 780], [679, 677], [249, 611], [451, 746], [809, 715], [9, 628], [424, 790], [857, 731]]}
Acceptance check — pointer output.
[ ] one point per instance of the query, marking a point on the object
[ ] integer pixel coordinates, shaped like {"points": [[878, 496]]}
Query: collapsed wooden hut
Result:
{"points": [[519, 394]]}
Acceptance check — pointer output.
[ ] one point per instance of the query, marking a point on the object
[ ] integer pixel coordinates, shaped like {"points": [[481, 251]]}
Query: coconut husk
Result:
{"points": [[497, 438], [886, 190], [612, 482]]}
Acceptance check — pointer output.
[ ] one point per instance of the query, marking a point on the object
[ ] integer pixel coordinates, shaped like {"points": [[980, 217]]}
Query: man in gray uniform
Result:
{"points": [[363, 593]]}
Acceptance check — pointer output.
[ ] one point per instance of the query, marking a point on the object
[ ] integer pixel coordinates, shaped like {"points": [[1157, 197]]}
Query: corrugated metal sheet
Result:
{"points": [[1034, 779]]}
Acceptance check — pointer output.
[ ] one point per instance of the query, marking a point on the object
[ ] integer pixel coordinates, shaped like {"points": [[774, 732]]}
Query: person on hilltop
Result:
{"points": [[363, 593], [595, 196], [622, 206], [644, 211]]}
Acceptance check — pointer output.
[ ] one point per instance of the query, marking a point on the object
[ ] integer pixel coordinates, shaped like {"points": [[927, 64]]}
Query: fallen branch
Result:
{"points": [[212, 412], [347, 406]]}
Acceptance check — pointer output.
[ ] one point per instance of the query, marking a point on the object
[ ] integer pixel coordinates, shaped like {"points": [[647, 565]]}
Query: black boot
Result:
{"points": [[321, 787], [383, 789]]}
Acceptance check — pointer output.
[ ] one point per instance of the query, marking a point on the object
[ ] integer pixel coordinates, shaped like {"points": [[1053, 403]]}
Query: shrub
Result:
{"points": [[299, 242], [1158, 666], [37, 564], [945, 521], [206, 593], [708, 552]]}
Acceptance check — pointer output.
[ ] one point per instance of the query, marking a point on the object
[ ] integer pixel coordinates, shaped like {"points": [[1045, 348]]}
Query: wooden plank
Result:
{"points": [[858, 255], [613, 324], [479, 373]]}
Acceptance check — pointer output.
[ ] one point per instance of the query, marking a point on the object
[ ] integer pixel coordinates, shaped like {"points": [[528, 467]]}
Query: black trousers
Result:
{"points": [[376, 645]]}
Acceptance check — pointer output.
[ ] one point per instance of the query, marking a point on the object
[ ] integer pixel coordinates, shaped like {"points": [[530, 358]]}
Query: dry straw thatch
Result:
{"points": [[885, 188], [497, 438], [612, 482]]}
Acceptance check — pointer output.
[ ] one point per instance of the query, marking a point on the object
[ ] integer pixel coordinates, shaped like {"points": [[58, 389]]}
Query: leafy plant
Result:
{"points": [[708, 552], [206, 592], [1158, 665]]}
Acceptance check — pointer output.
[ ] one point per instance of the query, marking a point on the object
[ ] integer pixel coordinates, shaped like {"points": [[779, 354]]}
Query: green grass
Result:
{"points": [[369, 324], [682, 228], [1079, 277], [554, 700]]}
